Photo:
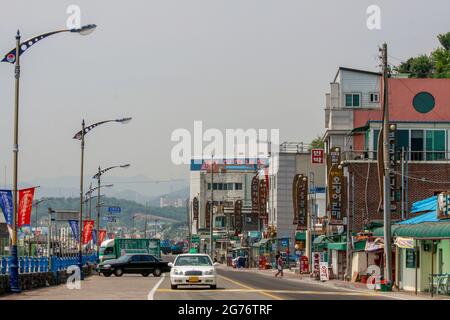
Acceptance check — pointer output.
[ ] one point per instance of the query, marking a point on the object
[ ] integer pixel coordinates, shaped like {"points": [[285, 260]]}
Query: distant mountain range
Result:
{"points": [[140, 189]]}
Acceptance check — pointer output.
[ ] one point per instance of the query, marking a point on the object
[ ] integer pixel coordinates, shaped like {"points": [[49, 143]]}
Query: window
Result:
{"points": [[209, 186], [238, 186], [220, 185], [214, 186], [417, 145], [435, 142], [374, 97], [353, 100], [230, 186]]}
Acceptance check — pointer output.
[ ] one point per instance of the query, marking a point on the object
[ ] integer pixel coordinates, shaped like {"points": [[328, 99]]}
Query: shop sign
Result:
{"points": [[302, 202], [324, 273], [207, 214], [238, 215], [317, 156], [294, 198], [337, 195], [255, 195], [442, 205], [316, 263], [262, 198]]}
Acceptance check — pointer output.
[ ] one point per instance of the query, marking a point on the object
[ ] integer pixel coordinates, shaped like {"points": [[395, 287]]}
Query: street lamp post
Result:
{"points": [[98, 177], [13, 57], [80, 136]]}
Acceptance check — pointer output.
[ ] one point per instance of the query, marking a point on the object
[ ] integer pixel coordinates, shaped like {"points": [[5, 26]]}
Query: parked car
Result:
{"points": [[193, 269], [144, 264]]}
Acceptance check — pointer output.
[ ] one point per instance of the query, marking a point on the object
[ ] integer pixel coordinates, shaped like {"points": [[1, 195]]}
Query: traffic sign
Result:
{"points": [[114, 209]]}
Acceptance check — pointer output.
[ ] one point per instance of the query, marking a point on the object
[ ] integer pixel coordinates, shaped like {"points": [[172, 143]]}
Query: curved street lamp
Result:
{"points": [[80, 136], [98, 176], [88, 195], [13, 57]]}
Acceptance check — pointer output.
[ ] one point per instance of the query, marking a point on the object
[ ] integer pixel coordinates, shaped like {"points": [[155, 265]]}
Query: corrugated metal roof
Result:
{"points": [[425, 230]]}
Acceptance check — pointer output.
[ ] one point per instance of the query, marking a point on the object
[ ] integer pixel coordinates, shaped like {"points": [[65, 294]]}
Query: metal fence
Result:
{"points": [[44, 264], [354, 155]]}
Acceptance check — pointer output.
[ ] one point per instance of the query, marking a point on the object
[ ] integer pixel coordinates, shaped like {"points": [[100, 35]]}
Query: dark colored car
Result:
{"points": [[133, 263]]}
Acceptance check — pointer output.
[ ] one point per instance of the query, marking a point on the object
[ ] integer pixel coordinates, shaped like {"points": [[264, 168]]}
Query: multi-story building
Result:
{"points": [[225, 185], [293, 159], [420, 114]]}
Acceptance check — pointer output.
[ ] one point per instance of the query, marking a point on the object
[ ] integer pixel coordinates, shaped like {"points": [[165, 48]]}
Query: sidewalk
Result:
{"points": [[345, 285]]}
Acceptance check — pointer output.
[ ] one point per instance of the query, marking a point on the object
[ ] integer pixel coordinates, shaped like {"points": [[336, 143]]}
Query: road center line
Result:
{"points": [[250, 288], [151, 294]]}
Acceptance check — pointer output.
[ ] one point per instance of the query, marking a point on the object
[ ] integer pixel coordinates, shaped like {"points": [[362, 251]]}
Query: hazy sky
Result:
{"points": [[231, 63]]}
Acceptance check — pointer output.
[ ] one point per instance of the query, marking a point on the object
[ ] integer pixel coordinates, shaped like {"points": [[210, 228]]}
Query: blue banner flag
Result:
{"points": [[94, 237], [75, 229], [6, 203]]}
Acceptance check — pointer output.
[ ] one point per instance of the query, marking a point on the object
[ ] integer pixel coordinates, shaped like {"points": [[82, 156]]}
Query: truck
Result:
{"points": [[115, 248], [165, 246]]}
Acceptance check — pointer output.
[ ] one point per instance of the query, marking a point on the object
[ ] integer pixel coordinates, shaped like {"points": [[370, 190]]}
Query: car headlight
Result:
{"points": [[177, 272], [106, 266], [208, 272]]}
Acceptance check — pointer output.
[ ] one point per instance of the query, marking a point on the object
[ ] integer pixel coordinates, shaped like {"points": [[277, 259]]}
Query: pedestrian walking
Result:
{"points": [[280, 264]]}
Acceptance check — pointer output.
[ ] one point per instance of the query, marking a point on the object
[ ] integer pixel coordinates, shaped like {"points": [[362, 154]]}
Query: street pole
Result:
{"points": [[188, 222], [98, 208], [80, 218], [90, 201], [211, 214], [13, 260], [386, 184]]}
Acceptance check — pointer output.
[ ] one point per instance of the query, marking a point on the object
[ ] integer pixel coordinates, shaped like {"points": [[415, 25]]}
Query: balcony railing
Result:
{"points": [[408, 155]]}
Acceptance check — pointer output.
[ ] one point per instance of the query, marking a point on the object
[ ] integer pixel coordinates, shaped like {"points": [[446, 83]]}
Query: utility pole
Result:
{"points": [[211, 213], [386, 184], [188, 222]]}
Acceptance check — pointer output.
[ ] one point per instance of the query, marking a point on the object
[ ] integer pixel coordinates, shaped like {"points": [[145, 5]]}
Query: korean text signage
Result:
{"points": [[195, 210], [302, 202], [317, 156], [207, 214], [393, 166], [324, 274], [238, 216], [114, 209], [25, 205], [255, 195], [336, 187], [295, 198], [262, 198], [6, 204]]}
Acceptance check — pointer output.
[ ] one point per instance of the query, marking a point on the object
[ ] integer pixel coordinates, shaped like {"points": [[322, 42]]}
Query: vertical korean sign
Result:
{"points": [[101, 236], [336, 188], [88, 226], [295, 198], [238, 216], [207, 214], [393, 166], [25, 205], [195, 211], [262, 198], [255, 195], [302, 202]]}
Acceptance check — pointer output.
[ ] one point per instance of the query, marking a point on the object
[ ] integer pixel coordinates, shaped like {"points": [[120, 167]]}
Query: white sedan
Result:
{"points": [[193, 269]]}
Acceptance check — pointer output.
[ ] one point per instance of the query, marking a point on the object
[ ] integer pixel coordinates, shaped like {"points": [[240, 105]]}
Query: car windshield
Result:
{"points": [[193, 261]]}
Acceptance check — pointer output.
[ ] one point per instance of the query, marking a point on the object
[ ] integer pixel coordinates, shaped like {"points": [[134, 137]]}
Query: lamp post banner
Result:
{"points": [[88, 226], [94, 236], [101, 236], [6, 203], [25, 205], [74, 226]]}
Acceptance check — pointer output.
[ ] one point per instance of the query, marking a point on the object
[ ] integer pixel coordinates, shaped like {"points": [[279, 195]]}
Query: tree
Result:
{"points": [[404, 67], [444, 39], [317, 143], [441, 61], [421, 67]]}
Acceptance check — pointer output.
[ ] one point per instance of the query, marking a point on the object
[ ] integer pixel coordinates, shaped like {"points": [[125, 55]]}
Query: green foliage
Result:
{"points": [[317, 143], [129, 208], [435, 65], [444, 39]]}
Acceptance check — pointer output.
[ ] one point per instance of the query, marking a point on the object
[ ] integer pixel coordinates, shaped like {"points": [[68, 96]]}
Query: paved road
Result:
{"points": [[242, 285], [232, 285]]}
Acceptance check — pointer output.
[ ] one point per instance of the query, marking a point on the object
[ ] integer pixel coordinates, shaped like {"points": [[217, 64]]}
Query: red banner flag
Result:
{"points": [[101, 236], [25, 205], [88, 226]]}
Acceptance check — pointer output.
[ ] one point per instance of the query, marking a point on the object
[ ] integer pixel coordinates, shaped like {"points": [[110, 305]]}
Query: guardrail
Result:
{"points": [[43, 264]]}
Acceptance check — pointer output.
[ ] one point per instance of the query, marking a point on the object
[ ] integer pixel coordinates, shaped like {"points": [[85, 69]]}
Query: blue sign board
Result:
{"points": [[114, 209]]}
